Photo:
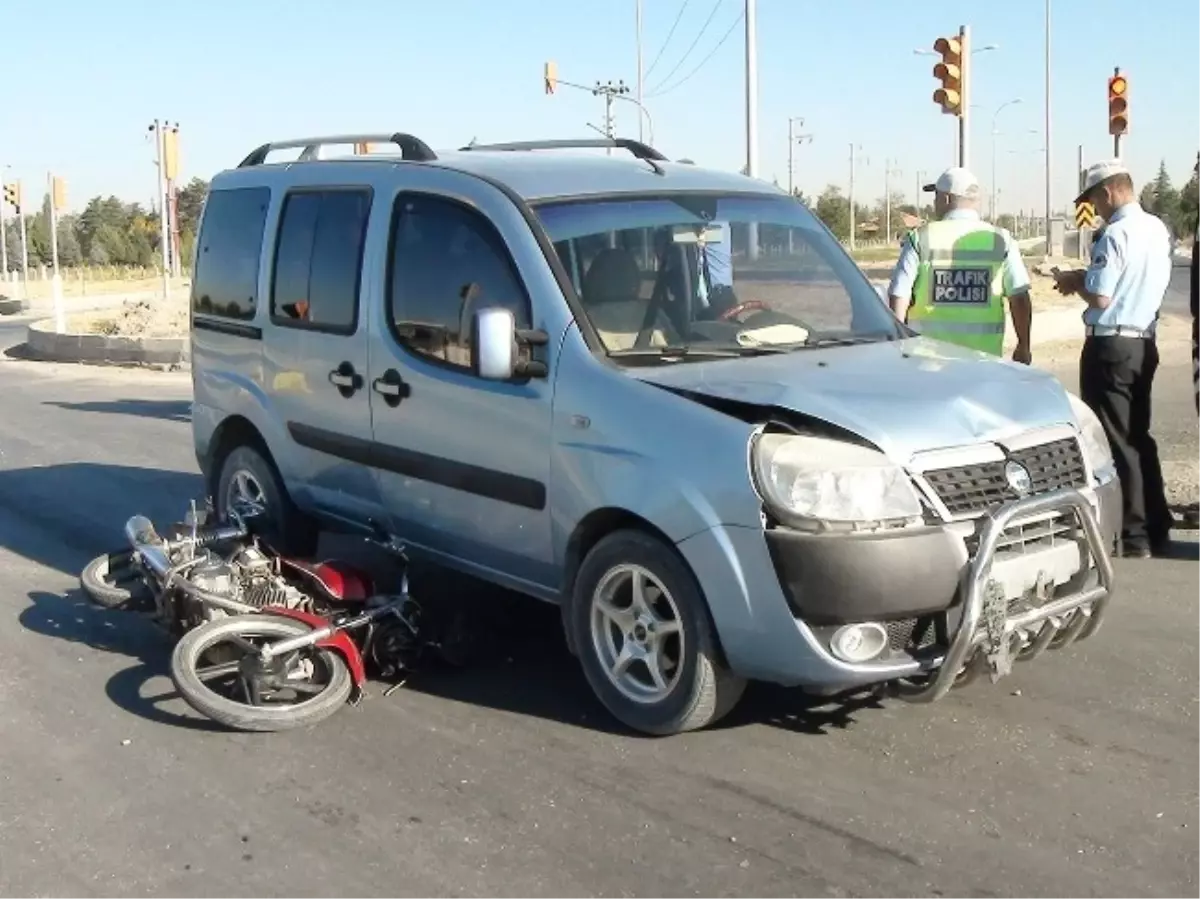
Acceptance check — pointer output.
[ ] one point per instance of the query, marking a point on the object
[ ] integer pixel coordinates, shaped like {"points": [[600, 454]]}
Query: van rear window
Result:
{"points": [[225, 279]]}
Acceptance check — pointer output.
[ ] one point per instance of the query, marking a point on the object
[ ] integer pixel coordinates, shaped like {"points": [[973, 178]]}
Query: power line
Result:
{"points": [[674, 25], [682, 59], [704, 61]]}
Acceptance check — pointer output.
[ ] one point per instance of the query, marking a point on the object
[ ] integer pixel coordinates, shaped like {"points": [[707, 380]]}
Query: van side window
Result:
{"points": [[318, 259], [447, 261], [225, 282]]}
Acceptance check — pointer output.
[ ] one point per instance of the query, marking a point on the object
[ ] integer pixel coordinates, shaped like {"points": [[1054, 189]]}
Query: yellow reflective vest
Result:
{"points": [[958, 295]]}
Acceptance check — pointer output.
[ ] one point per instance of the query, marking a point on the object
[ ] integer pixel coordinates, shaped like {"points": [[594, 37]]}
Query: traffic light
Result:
{"points": [[12, 195], [550, 76], [58, 193], [1118, 105], [950, 73]]}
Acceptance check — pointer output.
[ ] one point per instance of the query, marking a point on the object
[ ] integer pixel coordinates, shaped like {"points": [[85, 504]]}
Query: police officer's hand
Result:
{"points": [[1069, 282], [1023, 355]]}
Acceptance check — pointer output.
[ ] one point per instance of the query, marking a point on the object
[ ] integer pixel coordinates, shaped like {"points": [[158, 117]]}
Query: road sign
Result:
{"points": [[1085, 215]]}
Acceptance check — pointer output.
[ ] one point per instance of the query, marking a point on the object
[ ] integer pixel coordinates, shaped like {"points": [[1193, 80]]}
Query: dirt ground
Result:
{"points": [[147, 317]]}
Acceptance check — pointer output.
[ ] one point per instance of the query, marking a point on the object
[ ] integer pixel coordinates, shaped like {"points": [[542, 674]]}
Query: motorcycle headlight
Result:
{"points": [[1094, 440], [811, 480]]}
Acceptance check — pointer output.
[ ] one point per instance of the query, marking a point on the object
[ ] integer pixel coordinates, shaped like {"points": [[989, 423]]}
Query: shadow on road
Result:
{"points": [[523, 666], [169, 410], [62, 515], [74, 619]]}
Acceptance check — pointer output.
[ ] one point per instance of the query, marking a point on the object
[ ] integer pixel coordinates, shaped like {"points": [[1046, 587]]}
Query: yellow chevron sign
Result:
{"points": [[1085, 215]]}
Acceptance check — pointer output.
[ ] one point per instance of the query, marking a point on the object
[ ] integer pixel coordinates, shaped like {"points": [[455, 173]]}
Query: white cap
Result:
{"points": [[957, 182], [1100, 171]]}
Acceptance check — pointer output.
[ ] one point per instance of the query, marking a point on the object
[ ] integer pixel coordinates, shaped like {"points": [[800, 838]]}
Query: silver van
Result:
{"points": [[661, 396]]}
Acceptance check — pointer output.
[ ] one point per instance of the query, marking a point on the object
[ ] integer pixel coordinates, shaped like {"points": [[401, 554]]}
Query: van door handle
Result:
{"points": [[346, 379], [391, 387]]}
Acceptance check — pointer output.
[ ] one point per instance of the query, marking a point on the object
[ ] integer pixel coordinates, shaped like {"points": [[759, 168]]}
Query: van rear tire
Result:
{"points": [[668, 628], [246, 473]]}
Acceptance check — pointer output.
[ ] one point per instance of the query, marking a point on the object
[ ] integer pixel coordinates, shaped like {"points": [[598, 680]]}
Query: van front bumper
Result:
{"points": [[955, 599]]}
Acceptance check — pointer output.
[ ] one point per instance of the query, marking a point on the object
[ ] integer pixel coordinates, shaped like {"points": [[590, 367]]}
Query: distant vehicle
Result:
{"points": [[661, 396]]}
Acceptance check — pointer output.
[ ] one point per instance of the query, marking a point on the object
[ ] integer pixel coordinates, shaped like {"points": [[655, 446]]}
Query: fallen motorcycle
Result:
{"points": [[284, 668], [198, 572]]}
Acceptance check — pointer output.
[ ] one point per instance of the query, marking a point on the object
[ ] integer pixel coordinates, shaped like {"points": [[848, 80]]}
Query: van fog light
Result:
{"points": [[859, 642]]}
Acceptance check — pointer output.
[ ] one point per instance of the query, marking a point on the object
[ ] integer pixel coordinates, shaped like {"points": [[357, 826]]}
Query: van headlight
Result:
{"points": [[808, 480], [1095, 442]]}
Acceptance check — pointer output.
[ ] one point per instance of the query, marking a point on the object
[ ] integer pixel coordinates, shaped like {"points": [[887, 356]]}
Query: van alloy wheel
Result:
{"points": [[645, 637], [245, 492], [636, 633]]}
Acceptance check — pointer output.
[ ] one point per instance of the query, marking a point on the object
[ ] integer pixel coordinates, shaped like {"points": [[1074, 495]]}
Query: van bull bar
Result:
{"points": [[987, 634]]}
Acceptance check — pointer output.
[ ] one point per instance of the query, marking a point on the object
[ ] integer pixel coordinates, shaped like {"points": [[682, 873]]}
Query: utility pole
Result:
{"points": [[852, 149], [164, 237], [638, 5], [608, 92], [3, 232], [793, 139], [887, 198], [752, 111], [60, 322], [1049, 136]]}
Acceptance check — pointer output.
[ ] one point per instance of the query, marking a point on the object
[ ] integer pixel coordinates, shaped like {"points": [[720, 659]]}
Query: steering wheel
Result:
{"points": [[748, 306]]}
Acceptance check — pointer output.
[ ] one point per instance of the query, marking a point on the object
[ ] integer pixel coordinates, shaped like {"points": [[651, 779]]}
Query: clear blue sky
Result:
{"points": [[92, 76]]}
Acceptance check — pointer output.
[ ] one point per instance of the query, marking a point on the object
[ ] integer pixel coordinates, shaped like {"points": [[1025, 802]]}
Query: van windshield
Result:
{"points": [[701, 273]]}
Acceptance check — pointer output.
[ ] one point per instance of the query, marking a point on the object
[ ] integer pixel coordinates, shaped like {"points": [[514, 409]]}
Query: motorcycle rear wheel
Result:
{"points": [[237, 709]]}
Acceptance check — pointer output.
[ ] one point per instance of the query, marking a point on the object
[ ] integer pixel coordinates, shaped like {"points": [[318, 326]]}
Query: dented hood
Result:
{"points": [[906, 397]]}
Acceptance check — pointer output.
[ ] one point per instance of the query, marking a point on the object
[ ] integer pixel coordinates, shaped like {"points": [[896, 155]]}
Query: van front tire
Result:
{"points": [[645, 639]]}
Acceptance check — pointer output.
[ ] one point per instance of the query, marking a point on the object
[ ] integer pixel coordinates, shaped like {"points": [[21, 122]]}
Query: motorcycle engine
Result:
{"points": [[260, 586], [213, 575]]}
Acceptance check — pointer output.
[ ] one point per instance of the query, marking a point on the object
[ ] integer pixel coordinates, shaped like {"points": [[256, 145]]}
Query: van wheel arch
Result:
{"points": [[300, 530], [594, 527]]}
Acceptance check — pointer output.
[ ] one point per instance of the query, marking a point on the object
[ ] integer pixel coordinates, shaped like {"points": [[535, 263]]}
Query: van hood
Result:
{"points": [[906, 397]]}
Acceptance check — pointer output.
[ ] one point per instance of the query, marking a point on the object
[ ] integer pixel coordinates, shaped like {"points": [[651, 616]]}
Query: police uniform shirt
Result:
{"points": [[1015, 277], [1131, 265]]}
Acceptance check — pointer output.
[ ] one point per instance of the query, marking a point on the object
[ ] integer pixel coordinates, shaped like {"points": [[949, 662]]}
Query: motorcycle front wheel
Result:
{"points": [[216, 670]]}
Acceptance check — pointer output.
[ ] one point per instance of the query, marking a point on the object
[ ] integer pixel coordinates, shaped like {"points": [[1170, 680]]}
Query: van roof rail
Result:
{"points": [[642, 151], [411, 148]]}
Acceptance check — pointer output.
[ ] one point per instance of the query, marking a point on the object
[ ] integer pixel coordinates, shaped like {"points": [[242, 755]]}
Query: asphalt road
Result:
{"points": [[1076, 776]]}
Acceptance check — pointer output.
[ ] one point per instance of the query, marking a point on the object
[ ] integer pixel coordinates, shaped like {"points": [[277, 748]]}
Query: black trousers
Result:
{"points": [[1116, 375]]}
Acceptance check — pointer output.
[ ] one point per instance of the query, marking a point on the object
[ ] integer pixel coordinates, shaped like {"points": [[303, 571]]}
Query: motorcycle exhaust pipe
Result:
{"points": [[145, 541]]}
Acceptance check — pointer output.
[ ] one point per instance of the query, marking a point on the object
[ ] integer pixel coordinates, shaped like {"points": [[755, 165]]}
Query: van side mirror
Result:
{"points": [[496, 346]]}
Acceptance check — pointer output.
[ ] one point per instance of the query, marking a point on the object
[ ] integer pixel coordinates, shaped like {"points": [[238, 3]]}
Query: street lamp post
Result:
{"points": [[995, 133]]}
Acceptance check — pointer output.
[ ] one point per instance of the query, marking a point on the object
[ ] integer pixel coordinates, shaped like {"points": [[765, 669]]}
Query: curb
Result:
{"points": [[47, 345]]}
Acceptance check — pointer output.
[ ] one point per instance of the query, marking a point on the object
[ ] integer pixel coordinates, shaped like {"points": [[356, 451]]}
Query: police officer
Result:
{"points": [[1123, 288], [955, 273]]}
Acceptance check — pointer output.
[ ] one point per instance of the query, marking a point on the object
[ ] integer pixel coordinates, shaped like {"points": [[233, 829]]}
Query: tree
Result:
{"points": [[834, 210], [188, 205], [1160, 198], [1189, 199]]}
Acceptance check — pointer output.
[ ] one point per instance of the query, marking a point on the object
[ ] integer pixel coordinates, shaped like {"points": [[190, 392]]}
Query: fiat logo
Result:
{"points": [[1018, 477]]}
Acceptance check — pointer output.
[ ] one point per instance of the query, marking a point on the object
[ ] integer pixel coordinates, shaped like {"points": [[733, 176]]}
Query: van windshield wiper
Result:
{"points": [[848, 340], [693, 352]]}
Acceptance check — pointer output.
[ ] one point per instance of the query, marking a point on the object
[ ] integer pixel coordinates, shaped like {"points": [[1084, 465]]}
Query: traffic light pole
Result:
{"points": [[164, 237], [964, 129], [24, 256], [1116, 137]]}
